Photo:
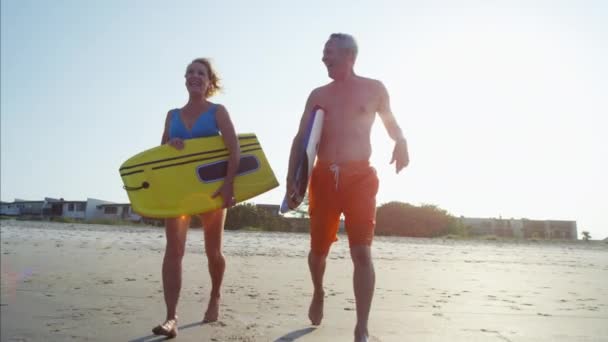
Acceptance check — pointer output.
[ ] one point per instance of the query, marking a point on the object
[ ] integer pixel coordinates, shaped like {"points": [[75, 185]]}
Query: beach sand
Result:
{"points": [[77, 282]]}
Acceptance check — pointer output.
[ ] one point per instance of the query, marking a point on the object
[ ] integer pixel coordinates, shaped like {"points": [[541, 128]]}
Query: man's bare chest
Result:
{"points": [[349, 105]]}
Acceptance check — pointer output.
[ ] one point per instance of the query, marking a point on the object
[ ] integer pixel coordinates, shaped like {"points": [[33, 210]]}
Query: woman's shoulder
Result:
{"points": [[218, 107], [170, 113]]}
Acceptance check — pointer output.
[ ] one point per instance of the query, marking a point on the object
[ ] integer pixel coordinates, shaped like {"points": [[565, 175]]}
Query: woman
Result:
{"points": [[198, 118]]}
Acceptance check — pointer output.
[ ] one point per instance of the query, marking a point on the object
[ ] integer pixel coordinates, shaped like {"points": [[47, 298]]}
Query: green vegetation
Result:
{"points": [[403, 219], [110, 222], [248, 216], [392, 219], [586, 235]]}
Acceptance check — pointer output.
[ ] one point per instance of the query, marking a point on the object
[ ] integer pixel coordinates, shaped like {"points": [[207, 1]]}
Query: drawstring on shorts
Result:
{"points": [[335, 168]]}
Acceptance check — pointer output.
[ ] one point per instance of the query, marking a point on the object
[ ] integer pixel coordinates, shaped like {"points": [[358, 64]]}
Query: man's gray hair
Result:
{"points": [[346, 41]]}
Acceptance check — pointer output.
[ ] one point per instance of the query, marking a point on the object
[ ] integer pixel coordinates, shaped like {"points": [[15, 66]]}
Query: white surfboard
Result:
{"points": [[306, 158]]}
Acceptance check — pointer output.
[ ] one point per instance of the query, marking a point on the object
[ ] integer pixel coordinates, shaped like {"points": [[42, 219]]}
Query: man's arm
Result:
{"points": [[296, 147], [400, 153]]}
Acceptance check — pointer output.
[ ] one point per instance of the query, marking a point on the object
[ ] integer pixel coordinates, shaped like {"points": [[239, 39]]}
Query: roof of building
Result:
{"points": [[113, 205], [24, 202]]}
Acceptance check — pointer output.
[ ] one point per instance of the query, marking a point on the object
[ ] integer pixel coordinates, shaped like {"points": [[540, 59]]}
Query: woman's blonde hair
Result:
{"points": [[214, 80]]}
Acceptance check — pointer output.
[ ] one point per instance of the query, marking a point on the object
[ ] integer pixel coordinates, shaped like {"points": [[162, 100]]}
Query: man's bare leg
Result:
{"points": [[316, 263], [364, 279]]}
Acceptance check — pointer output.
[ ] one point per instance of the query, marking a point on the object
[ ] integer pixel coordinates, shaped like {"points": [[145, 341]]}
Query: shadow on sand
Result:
{"points": [[294, 335]]}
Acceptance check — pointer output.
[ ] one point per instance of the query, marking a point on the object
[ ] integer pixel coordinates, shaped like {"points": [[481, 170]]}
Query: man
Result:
{"points": [[343, 180]]}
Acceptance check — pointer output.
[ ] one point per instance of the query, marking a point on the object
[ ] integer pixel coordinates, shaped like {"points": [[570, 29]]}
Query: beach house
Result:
{"points": [[21, 207], [521, 228], [114, 211]]}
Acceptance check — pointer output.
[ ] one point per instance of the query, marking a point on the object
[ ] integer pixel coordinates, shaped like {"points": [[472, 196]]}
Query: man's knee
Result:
{"points": [[361, 255], [317, 257]]}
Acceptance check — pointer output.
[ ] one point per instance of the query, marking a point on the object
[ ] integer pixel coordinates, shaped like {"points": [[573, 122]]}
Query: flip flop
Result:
{"points": [[169, 328]]}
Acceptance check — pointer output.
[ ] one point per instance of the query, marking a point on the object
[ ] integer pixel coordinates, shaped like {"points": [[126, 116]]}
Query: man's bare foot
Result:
{"points": [[361, 335], [213, 310], [315, 311]]}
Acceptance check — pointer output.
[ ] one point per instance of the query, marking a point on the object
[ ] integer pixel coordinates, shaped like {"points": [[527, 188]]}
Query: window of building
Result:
{"points": [[110, 210], [71, 207], [80, 206]]}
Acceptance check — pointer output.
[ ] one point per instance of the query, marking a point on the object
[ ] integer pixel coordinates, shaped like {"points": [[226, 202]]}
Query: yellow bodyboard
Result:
{"points": [[164, 182]]}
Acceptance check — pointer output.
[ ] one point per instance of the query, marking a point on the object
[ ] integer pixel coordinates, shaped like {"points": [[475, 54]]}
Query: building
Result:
{"points": [[523, 228], [21, 207], [53, 207], [49, 208], [114, 211], [8, 209]]}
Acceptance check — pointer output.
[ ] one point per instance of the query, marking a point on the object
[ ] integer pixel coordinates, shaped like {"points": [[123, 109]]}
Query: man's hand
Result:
{"points": [[292, 191], [400, 155]]}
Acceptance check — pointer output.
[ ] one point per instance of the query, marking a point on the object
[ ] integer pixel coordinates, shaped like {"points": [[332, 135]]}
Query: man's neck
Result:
{"points": [[348, 77]]}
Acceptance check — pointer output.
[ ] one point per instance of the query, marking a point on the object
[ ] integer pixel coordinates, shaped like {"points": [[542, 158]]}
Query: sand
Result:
{"points": [[76, 282]]}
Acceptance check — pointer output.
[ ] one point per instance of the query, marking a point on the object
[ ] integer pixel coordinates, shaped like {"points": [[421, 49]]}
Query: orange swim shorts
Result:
{"points": [[349, 188]]}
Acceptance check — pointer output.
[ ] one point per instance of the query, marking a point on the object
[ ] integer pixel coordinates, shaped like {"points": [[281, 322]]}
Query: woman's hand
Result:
{"points": [[177, 143], [226, 190]]}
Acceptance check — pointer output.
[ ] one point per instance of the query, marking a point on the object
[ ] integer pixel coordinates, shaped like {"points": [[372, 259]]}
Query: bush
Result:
{"points": [[249, 216], [403, 219]]}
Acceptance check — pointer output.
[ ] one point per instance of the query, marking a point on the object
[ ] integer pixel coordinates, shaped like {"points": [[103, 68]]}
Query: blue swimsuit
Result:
{"points": [[204, 126]]}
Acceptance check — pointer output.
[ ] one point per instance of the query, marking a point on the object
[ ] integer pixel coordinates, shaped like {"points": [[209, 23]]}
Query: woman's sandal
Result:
{"points": [[169, 328]]}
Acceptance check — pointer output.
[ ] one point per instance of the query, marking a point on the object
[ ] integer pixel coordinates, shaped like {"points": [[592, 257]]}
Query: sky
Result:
{"points": [[504, 103]]}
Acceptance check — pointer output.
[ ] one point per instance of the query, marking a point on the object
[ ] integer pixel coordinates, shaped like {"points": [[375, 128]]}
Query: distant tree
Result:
{"points": [[457, 227], [248, 215], [398, 218], [586, 235], [241, 216]]}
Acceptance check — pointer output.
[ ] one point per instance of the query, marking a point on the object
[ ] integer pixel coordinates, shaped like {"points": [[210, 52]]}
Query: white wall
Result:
{"points": [[75, 214], [92, 212], [9, 209]]}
